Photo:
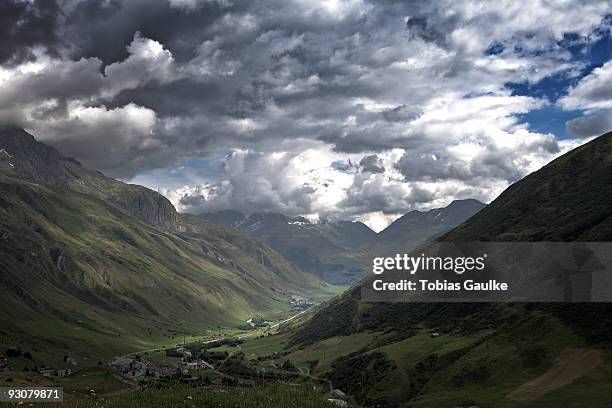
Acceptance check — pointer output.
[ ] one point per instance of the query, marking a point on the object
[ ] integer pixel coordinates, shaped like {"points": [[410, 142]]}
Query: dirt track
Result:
{"points": [[571, 365]]}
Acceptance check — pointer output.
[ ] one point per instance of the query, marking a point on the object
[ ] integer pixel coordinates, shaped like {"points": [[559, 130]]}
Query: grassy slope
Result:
{"points": [[270, 396], [486, 350], [81, 275]]}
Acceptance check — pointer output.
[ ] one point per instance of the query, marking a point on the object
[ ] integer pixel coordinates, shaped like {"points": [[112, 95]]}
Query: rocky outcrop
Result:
{"points": [[146, 205]]}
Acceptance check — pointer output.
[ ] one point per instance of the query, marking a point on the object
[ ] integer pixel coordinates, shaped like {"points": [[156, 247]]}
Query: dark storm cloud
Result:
{"points": [[372, 164], [420, 27], [195, 200], [103, 28], [367, 193], [401, 113], [434, 162], [25, 25]]}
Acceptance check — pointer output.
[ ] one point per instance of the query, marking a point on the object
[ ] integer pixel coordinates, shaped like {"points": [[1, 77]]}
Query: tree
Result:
{"points": [[289, 366]]}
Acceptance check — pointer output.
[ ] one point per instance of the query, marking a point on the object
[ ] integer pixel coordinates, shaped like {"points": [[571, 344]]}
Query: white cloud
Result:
{"points": [[291, 182], [100, 137], [590, 125], [592, 92], [148, 61]]}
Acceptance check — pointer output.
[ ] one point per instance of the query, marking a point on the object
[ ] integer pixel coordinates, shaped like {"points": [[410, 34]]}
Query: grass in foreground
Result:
{"points": [[268, 396]]}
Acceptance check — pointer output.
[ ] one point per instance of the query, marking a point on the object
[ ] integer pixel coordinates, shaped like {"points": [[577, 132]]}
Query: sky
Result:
{"points": [[330, 109]]}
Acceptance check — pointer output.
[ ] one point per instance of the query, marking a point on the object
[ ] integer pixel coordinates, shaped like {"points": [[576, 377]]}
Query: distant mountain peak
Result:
{"points": [[418, 226], [464, 202]]}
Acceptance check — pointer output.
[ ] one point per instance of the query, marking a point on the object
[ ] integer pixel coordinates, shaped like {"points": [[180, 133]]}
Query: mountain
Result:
{"points": [[340, 251], [484, 354], [229, 218], [25, 157], [327, 249], [416, 227], [419, 226], [88, 263]]}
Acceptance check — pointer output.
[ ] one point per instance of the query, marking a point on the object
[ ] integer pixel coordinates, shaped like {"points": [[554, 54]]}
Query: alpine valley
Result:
{"points": [[99, 267]]}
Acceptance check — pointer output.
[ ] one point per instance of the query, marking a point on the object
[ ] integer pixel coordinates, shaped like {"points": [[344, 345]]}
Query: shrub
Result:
{"points": [[533, 356]]}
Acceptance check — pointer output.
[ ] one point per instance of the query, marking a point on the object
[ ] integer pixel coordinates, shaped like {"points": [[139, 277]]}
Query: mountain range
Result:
{"points": [[484, 354], [340, 252], [85, 259]]}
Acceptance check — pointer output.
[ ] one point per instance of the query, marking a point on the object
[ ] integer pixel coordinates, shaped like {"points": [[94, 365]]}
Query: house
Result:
{"points": [[159, 370], [337, 393], [45, 371], [199, 365], [63, 373], [338, 402], [122, 364]]}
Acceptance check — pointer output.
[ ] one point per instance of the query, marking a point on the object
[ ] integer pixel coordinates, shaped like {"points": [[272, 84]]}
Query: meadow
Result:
{"points": [[269, 396]]}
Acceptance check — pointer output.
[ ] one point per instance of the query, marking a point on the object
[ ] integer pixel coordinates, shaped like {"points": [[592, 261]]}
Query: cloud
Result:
{"points": [[147, 61], [290, 182], [194, 4], [592, 92], [123, 133], [27, 28], [401, 113], [371, 164], [591, 125], [66, 104], [350, 108]]}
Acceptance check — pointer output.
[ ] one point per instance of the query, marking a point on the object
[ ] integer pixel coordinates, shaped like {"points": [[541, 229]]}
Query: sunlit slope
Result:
{"points": [[69, 258]]}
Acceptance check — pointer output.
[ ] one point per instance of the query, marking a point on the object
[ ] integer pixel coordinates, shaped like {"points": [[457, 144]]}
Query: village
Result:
{"points": [[136, 368], [195, 363]]}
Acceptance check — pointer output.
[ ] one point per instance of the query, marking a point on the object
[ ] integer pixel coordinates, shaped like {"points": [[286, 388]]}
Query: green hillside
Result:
{"points": [[487, 355], [269, 396]]}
